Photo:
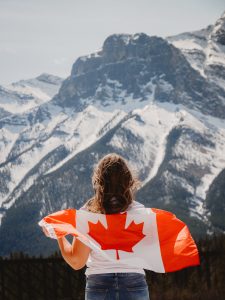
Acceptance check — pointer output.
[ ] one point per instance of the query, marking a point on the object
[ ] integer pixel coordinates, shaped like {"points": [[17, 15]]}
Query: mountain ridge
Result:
{"points": [[138, 96]]}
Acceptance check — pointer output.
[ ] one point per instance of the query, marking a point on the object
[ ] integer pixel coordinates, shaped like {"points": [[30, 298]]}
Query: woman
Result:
{"points": [[114, 187]]}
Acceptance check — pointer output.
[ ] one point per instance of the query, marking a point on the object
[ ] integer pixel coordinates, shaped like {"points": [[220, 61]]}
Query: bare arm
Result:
{"points": [[75, 255]]}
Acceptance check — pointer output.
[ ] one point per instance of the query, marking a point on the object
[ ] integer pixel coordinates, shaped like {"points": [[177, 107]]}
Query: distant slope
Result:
{"points": [[25, 95], [205, 50]]}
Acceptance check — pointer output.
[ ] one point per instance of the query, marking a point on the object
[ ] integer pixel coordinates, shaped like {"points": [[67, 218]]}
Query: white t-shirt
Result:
{"points": [[97, 264]]}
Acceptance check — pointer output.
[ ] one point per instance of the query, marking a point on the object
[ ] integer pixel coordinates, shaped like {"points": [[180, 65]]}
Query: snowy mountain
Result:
{"points": [[143, 97], [45, 138], [205, 50], [135, 68], [178, 153], [23, 95]]}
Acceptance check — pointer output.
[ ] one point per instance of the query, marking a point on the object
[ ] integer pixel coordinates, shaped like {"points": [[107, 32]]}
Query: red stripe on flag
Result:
{"points": [[65, 217], [178, 249]]}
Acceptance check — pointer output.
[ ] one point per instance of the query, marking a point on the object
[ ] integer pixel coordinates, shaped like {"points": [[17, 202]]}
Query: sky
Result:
{"points": [[47, 36]]}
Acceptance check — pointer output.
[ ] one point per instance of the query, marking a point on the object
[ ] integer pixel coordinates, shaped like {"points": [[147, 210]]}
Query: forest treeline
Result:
{"points": [[23, 277]]}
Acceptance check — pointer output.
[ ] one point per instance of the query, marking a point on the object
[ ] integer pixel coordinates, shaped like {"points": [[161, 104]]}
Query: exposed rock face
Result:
{"points": [[205, 50], [218, 33], [138, 66], [215, 202]]}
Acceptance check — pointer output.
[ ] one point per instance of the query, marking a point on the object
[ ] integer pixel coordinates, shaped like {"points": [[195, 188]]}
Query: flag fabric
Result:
{"points": [[149, 238]]}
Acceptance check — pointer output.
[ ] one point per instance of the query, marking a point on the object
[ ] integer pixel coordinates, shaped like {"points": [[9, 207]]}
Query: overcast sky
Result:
{"points": [[39, 36]]}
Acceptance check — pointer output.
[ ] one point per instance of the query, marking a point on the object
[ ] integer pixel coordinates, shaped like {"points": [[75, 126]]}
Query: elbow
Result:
{"points": [[74, 263], [77, 266]]}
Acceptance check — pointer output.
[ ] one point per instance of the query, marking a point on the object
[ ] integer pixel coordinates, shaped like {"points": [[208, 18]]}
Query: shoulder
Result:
{"points": [[84, 207], [89, 206]]}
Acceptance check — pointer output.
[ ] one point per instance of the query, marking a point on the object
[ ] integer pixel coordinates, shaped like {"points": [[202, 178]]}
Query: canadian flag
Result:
{"points": [[149, 238]]}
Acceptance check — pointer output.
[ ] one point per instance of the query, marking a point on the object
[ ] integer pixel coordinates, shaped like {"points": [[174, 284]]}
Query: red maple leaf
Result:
{"points": [[116, 236]]}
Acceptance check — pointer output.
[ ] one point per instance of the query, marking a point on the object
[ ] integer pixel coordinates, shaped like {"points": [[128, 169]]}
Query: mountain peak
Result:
{"points": [[124, 39], [118, 47], [116, 40], [218, 32], [223, 15], [137, 67]]}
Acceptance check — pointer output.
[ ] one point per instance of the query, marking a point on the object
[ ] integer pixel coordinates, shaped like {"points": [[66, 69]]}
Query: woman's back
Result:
{"points": [[97, 264], [114, 280], [114, 186]]}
